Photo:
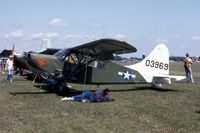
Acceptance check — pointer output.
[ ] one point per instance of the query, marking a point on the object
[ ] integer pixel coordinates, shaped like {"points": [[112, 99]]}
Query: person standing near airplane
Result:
{"points": [[188, 68], [9, 67]]}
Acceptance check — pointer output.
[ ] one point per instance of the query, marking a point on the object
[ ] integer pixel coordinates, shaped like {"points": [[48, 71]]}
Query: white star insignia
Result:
{"points": [[126, 75]]}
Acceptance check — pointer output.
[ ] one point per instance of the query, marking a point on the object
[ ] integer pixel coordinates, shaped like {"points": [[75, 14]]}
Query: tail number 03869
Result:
{"points": [[157, 64]]}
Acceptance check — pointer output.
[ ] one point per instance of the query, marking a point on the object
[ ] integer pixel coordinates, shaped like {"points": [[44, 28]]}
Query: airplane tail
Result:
{"points": [[155, 67]]}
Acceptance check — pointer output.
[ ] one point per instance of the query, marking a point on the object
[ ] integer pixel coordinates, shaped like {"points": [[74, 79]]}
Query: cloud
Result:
{"points": [[72, 36], [49, 35], [178, 37], [159, 40], [37, 35], [121, 36], [15, 34], [95, 24], [58, 22], [196, 38], [91, 37], [78, 37]]}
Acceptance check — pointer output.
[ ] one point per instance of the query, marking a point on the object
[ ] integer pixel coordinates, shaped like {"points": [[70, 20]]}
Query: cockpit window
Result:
{"points": [[62, 53]]}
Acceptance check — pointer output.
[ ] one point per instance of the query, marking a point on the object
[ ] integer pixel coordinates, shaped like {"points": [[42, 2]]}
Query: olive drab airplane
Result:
{"points": [[92, 63]]}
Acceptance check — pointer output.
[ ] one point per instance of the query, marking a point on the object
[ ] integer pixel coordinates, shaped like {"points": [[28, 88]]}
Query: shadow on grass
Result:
{"points": [[28, 93], [47, 91], [198, 112], [146, 88], [71, 92], [65, 92]]}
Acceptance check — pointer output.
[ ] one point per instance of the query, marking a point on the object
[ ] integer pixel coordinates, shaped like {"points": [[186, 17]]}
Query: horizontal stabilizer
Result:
{"points": [[177, 78]]}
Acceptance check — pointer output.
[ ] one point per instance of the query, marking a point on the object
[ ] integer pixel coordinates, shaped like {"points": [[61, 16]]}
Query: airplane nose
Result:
{"points": [[27, 56]]}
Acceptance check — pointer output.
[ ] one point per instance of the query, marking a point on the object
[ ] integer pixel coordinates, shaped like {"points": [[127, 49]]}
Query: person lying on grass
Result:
{"points": [[90, 96]]}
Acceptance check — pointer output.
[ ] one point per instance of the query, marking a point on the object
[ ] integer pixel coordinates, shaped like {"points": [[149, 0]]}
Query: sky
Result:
{"points": [[68, 23]]}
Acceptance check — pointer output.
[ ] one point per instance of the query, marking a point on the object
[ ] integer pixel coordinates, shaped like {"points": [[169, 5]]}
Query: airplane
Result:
{"points": [[47, 65], [92, 63]]}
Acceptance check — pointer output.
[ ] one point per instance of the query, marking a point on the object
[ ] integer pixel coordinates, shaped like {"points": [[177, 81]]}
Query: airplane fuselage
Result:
{"points": [[44, 64]]}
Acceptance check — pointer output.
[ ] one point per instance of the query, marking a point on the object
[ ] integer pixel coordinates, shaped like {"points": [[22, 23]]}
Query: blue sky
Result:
{"points": [[68, 23]]}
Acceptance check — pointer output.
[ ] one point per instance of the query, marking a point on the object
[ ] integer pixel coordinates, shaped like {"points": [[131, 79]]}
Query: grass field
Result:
{"points": [[136, 108]]}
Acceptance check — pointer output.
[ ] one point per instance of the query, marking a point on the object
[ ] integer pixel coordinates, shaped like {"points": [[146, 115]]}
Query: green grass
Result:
{"points": [[136, 108]]}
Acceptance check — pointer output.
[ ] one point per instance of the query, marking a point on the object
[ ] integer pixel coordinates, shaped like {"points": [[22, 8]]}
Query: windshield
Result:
{"points": [[62, 53]]}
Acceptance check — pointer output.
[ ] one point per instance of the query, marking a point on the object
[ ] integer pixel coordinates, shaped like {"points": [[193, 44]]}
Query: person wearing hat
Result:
{"points": [[188, 68], [9, 67]]}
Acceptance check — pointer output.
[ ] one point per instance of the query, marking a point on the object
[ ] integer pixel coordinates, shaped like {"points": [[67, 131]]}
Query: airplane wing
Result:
{"points": [[109, 46], [6, 53], [49, 51]]}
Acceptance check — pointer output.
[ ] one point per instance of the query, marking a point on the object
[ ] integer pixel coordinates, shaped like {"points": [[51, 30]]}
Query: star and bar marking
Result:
{"points": [[127, 75]]}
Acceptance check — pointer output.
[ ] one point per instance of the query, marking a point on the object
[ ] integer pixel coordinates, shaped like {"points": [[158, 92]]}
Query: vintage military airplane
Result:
{"points": [[92, 63]]}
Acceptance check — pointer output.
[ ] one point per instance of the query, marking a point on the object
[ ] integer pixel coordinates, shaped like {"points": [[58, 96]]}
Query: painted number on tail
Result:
{"points": [[156, 64]]}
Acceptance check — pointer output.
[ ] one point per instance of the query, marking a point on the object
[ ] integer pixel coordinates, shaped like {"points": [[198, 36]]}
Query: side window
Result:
{"points": [[97, 64]]}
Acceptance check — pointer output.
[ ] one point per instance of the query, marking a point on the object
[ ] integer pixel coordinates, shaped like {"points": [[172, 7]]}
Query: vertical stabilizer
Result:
{"points": [[156, 64]]}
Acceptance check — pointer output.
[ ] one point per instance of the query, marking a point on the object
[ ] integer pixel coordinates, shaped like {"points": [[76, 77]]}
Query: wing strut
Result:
{"points": [[86, 64]]}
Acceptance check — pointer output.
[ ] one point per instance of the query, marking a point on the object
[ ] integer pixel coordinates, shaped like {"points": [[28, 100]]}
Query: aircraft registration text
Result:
{"points": [[157, 64]]}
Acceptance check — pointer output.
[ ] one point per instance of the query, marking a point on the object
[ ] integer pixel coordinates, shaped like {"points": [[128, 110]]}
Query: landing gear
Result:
{"points": [[60, 88], [157, 85]]}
